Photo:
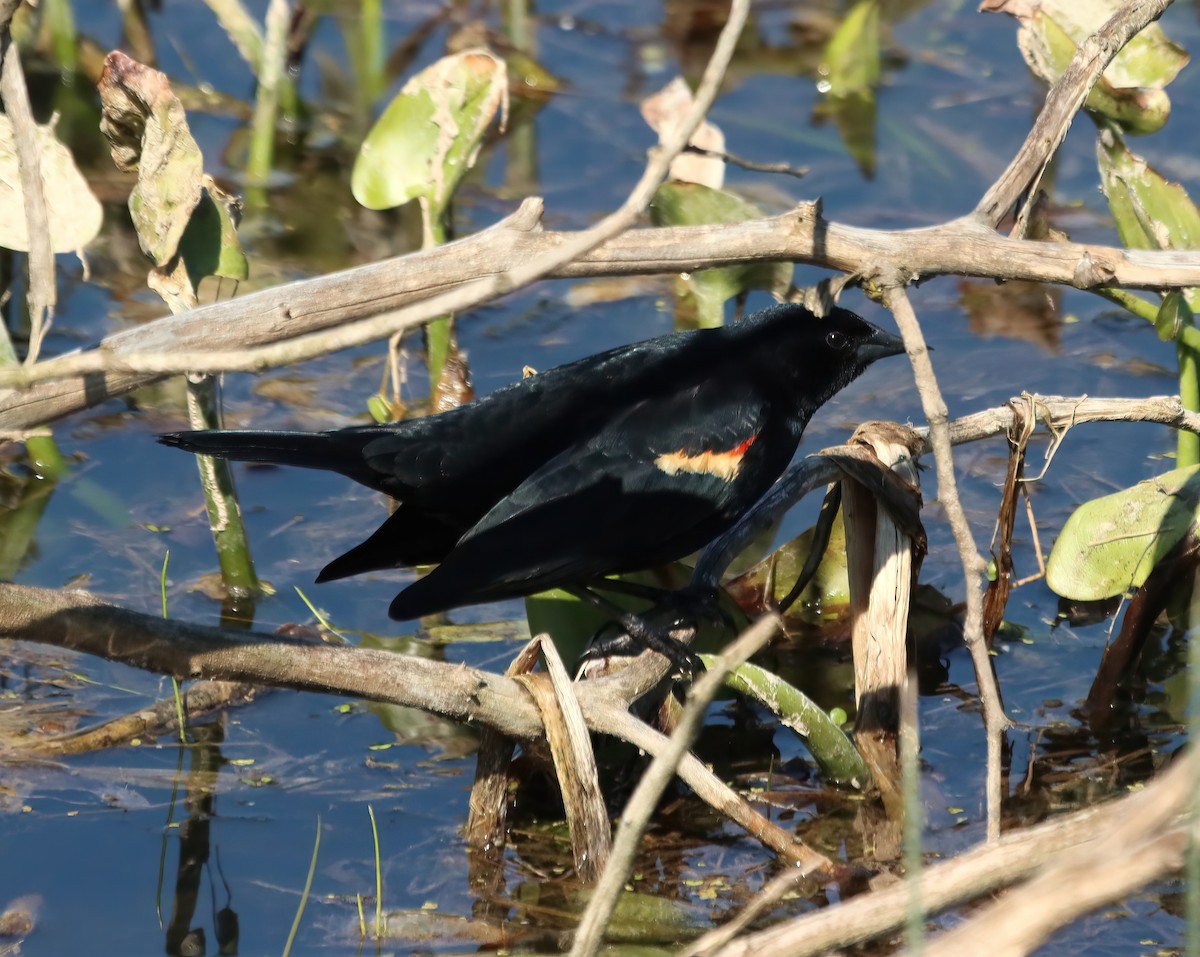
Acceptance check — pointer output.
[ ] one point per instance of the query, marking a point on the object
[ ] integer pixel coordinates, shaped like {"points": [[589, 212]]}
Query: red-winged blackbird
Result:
{"points": [[624, 460]]}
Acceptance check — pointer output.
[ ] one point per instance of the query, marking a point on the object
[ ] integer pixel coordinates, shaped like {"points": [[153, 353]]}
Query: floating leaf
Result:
{"points": [[430, 134], [1111, 544], [74, 213]]}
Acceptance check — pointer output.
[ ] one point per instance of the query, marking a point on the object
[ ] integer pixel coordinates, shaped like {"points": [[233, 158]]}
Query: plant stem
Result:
{"points": [[1188, 443], [266, 105], [229, 531]]}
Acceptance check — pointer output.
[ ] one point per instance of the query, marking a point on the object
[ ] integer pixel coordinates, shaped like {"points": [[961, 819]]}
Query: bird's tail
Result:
{"points": [[340, 451]]}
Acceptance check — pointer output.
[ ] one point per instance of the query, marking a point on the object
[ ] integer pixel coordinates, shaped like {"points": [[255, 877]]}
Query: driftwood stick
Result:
{"points": [[936, 413], [268, 328], [972, 874], [81, 622], [1064, 100]]}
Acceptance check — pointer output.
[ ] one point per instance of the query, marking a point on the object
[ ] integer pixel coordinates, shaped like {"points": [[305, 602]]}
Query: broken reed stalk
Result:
{"points": [[879, 556]]}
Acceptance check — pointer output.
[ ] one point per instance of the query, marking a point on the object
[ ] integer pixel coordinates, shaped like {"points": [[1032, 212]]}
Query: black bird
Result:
{"points": [[624, 460]]}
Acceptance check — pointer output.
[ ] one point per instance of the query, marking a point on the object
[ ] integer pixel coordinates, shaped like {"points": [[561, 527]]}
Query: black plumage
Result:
{"points": [[623, 460]]}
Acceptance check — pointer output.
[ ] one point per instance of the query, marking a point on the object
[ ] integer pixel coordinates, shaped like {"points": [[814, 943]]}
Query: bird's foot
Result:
{"points": [[631, 638], [678, 615]]}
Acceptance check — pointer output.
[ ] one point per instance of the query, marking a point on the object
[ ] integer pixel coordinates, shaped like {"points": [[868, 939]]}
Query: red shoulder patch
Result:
{"points": [[723, 464]]}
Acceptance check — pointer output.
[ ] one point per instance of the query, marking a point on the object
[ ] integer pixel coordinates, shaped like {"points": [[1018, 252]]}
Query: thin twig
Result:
{"points": [[785, 169], [936, 413], [1063, 101], [41, 293], [642, 803]]}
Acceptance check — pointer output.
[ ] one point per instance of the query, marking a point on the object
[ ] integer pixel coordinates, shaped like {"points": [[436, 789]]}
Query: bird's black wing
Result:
{"points": [[507, 435], [653, 485]]}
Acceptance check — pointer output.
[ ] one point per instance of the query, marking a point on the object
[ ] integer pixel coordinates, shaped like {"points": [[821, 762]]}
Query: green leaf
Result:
{"points": [[210, 245], [1173, 315], [430, 134], [829, 590], [1150, 211], [572, 623], [1130, 92], [834, 753], [1110, 545], [393, 163], [691, 204], [851, 65]]}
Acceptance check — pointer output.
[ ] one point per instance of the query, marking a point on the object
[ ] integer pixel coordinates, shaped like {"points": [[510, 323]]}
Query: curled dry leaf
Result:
{"points": [[664, 111], [147, 130], [453, 385], [1130, 91], [74, 212]]}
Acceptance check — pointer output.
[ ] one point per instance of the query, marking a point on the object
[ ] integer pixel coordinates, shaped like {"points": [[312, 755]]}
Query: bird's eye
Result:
{"points": [[836, 340]]}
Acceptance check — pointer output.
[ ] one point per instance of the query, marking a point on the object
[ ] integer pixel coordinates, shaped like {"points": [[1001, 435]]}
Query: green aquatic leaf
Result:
{"points": [[1110, 544], [430, 134], [210, 245], [706, 292], [1150, 211], [1173, 315], [833, 751], [1130, 92], [852, 64]]}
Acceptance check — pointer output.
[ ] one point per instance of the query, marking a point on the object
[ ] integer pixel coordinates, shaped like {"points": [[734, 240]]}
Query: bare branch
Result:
{"points": [[995, 721], [313, 316], [1063, 101], [78, 621], [969, 875]]}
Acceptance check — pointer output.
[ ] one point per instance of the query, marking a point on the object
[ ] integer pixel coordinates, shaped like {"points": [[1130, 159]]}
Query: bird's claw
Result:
{"points": [[681, 611]]}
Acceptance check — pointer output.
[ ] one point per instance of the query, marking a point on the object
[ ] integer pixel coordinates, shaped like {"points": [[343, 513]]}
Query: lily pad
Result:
{"points": [[1110, 545]]}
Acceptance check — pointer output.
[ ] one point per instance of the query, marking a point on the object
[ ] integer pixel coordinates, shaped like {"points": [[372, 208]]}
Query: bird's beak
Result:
{"points": [[879, 346]]}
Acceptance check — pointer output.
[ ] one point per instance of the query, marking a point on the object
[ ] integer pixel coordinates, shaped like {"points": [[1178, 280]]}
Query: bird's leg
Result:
{"points": [[637, 634]]}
